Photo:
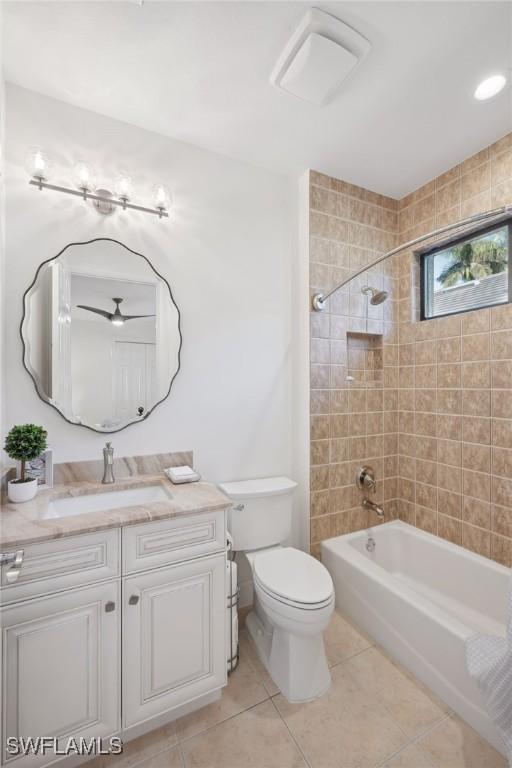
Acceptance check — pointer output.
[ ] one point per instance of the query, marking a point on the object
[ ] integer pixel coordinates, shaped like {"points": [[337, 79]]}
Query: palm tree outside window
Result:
{"points": [[468, 273]]}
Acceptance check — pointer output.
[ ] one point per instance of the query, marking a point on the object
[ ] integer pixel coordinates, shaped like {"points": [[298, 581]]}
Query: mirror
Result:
{"points": [[101, 335]]}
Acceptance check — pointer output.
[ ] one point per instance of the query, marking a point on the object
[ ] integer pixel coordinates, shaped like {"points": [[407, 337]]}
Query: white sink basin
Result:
{"points": [[97, 502]]}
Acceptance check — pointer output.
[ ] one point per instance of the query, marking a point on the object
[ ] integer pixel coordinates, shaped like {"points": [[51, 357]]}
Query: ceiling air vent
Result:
{"points": [[319, 57]]}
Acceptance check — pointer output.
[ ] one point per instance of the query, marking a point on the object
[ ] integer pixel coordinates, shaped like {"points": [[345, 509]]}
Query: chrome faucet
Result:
{"points": [[367, 504], [108, 464]]}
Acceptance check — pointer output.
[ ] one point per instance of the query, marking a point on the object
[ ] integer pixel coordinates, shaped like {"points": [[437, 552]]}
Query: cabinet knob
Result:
{"points": [[15, 559], [110, 606], [134, 599]]}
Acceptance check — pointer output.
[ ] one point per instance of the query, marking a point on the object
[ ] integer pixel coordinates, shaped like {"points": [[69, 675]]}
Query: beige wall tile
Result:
{"points": [[475, 347], [476, 322], [501, 491], [476, 402], [319, 503], [476, 375], [502, 462], [476, 180], [449, 350], [449, 528], [449, 478], [502, 404], [449, 375], [449, 452], [319, 478], [502, 433], [319, 452], [477, 484], [501, 317], [476, 512], [501, 550], [449, 503], [501, 345], [320, 528], [319, 427], [501, 374], [476, 430], [477, 457], [449, 426], [501, 520], [476, 539]]}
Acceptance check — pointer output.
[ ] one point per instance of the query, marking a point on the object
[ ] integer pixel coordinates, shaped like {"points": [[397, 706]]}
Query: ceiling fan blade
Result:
{"points": [[135, 317], [101, 312]]}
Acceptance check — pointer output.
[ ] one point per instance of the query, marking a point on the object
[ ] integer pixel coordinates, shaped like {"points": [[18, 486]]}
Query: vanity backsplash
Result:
{"points": [[127, 466]]}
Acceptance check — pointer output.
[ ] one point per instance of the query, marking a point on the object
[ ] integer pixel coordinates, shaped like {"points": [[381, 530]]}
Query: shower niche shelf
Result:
{"points": [[364, 359]]}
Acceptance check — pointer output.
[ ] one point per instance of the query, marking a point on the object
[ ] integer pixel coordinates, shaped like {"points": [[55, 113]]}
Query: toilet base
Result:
{"points": [[297, 664]]}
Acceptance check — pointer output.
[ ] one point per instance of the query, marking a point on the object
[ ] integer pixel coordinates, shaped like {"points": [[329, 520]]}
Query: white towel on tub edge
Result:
{"points": [[489, 662]]}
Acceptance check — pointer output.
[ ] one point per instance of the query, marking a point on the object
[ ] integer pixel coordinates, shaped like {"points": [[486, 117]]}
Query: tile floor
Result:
{"points": [[374, 715]]}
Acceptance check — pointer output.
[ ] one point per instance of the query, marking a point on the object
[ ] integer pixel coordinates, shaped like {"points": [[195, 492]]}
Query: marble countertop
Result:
{"points": [[28, 522]]}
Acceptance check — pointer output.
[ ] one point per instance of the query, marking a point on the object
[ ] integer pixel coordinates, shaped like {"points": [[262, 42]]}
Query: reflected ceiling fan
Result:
{"points": [[116, 318]]}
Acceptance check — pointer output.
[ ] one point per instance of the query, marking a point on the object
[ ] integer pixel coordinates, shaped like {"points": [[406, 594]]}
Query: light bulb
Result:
{"points": [[38, 164], [117, 321], [490, 87], [84, 177], [124, 188], [162, 197]]}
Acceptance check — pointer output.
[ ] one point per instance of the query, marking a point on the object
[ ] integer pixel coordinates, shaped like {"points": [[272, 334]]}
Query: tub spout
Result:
{"points": [[367, 504]]}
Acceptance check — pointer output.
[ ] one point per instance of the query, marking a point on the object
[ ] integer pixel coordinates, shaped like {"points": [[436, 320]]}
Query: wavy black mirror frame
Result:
{"points": [[25, 360]]}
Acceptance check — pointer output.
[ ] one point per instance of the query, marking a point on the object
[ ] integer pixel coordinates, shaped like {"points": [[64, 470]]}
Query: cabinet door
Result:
{"points": [[173, 636], [61, 667]]}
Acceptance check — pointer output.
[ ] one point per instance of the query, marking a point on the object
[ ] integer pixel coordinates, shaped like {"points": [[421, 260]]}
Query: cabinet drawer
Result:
{"points": [[63, 563], [151, 545]]}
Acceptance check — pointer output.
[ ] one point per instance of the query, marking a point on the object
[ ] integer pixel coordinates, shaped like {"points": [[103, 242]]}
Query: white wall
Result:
{"points": [[2, 243], [228, 253]]}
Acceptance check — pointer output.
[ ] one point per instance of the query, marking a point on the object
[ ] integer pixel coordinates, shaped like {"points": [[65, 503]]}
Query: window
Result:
{"points": [[468, 273]]}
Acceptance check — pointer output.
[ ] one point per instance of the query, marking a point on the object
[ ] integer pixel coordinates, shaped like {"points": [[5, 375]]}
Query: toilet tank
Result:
{"points": [[261, 515]]}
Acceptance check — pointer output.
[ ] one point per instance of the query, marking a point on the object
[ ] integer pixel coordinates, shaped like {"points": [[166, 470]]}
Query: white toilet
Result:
{"points": [[293, 592]]}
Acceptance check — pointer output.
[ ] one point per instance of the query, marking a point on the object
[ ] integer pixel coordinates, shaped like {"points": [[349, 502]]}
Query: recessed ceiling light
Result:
{"points": [[490, 87]]}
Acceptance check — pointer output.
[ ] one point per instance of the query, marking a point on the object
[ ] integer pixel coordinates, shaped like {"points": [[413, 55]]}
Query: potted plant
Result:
{"points": [[24, 442]]}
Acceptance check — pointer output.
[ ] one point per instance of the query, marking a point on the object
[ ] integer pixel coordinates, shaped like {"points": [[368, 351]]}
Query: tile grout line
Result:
{"points": [[290, 732], [181, 741]]}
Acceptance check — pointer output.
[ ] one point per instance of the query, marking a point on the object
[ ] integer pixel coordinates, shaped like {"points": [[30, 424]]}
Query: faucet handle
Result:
{"points": [[365, 479]]}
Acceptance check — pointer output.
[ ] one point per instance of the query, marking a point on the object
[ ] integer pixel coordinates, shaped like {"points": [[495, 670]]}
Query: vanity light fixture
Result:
{"points": [[162, 198], [38, 166], [85, 178], [490, 87]]}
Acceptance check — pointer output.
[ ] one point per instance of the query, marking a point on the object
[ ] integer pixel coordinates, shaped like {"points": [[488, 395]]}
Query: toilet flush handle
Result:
{"points": [[239, 508]]}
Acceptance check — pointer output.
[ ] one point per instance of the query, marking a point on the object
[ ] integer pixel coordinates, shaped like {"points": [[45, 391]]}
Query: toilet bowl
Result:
{"points": [[293, 592], [294, 601]]}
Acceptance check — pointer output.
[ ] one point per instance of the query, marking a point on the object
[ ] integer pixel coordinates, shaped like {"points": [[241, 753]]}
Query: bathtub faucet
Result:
{"points": [[367, 504]]}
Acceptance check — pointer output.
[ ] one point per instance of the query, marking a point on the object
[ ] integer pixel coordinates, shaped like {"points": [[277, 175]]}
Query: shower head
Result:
{"points": [[377, 297]]}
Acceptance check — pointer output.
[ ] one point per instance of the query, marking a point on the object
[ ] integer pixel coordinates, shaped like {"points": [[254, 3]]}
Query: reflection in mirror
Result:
{"points": [[101, 335]]}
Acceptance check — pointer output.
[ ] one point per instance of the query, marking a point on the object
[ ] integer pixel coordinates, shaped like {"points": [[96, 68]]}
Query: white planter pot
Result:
{"points": [[19, 492]]}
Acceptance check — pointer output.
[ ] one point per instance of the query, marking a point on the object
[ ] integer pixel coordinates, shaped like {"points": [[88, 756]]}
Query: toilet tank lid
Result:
{"points": [[263, 486]]}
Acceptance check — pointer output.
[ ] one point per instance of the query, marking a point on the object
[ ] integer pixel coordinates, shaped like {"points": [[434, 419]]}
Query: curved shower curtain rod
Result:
{"points": [[319, 299]]}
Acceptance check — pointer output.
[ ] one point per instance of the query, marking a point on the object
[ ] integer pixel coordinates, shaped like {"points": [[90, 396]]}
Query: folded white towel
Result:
{"points": [[489, 662]]}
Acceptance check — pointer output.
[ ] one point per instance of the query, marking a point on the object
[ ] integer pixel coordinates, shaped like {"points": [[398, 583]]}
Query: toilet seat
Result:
{"points": [[293, 578]]}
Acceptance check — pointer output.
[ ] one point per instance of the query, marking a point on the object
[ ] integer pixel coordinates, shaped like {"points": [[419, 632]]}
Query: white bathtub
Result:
{"points": [[420, 597]]}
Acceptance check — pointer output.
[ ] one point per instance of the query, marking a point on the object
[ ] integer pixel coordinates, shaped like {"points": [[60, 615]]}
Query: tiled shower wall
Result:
{"points": [[455, 379], [431, 408], [354, 356]]}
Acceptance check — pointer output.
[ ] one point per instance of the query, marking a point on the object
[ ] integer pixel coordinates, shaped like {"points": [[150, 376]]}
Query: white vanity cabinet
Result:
{"points": [[113, 632]]}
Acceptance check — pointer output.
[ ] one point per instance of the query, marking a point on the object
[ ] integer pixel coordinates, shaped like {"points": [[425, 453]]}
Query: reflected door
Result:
{"points": [[133, 369]]}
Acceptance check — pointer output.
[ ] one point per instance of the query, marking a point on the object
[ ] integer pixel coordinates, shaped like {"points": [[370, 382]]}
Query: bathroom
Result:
{"points": [[334, 578]]}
